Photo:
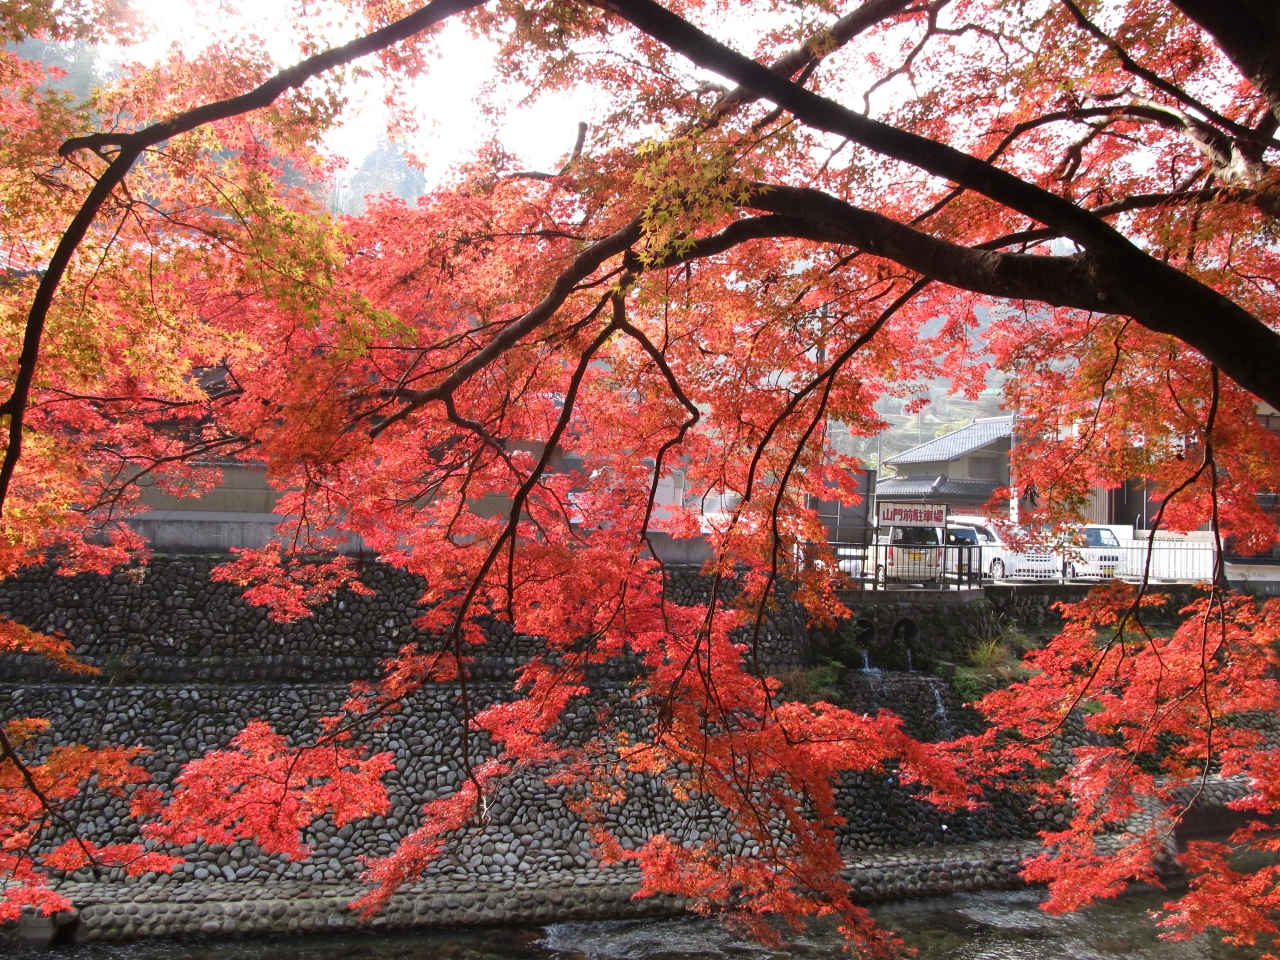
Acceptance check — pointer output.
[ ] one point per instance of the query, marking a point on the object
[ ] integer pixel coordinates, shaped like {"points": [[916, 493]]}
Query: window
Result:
{"points": [[962, 535], [916, 536], [1100, 537]]}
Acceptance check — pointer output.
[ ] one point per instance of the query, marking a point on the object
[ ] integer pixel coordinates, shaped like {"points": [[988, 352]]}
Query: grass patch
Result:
{"points": [[810, 686], [992, 665]]}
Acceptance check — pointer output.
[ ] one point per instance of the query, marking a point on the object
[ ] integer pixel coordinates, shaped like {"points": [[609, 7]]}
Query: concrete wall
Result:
{"points": [[243, 490]]}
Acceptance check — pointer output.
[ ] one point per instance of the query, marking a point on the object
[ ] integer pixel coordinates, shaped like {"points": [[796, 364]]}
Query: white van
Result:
{"points": [[1096, 555], [1000, 561], [914, 554]]}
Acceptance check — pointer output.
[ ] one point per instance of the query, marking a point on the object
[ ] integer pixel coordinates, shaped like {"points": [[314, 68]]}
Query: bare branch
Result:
{"points": [[1157, 81], [568, 164], [810, 53]]}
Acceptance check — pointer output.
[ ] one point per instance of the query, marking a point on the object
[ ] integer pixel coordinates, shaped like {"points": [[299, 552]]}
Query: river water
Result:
{"points": [[982, 926]]}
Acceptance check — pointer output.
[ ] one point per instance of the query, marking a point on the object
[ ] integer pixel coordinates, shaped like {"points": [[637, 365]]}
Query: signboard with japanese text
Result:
{"points": [[913, 514]]}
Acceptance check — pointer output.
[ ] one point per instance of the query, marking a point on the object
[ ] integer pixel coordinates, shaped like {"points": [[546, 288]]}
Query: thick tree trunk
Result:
{"points": [[1129, 280], [1248, 31]]}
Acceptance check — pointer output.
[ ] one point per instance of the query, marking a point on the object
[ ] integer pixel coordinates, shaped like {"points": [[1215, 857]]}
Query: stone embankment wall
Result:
{"points": [[1032, 604], [900, 633], [169, 622], [186, 662]]}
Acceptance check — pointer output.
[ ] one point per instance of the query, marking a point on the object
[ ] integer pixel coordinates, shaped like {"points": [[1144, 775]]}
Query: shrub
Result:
{"points": [[989, 655], [971, 684]]}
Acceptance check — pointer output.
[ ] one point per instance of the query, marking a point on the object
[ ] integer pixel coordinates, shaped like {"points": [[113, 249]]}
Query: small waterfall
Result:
{"points": [[866, 663], [923, 701], [911, 667], [940, 714]]}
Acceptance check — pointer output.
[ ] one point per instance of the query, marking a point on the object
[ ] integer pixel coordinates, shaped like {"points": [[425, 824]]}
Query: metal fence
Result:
{"points": [[875, 566], [1171, 560], [878, 566]]}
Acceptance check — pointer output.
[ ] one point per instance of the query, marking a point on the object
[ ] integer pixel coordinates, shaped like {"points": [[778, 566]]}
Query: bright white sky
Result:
{"points": [[450, 126], [540, 134]]}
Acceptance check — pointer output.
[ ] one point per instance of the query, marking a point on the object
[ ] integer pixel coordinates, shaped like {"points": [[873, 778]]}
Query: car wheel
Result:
{"points": [[1071, 571], [997, 569]]}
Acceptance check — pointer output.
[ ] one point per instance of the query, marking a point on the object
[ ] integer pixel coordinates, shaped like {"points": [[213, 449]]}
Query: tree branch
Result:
{"points": [[1156, 294], [816, 48], [131, 147], [1153, 78], [9, 752], [568, 164], [583, 265], [1249, 34], [1079, 281]]}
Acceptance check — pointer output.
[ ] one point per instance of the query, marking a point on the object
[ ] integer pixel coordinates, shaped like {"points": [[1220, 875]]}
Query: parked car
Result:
{"points": [[1095, 555], [1000, 561], [914, 554], [964, 554], [851, 560]]}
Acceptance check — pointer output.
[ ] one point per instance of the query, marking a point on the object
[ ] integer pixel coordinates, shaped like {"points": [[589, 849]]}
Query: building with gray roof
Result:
{"points": [[962, 468]]}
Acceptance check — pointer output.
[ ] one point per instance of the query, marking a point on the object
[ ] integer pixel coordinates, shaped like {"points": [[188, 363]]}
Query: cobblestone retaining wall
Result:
{"points": [[903, 633], [220, 909], [186, 662], [169, 622], [1031, 604], [532, 842]]}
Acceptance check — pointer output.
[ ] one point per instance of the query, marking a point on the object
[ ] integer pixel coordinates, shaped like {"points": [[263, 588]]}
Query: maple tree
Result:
{"points": [[1084, 193]]}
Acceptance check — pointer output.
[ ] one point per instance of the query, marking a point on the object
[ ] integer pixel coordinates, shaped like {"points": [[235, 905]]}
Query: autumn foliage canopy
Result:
{"points": [[777, 215]]}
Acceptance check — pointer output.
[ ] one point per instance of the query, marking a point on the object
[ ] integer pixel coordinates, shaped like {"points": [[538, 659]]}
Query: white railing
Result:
{"points": [[1179, 561], [1184, 560]]}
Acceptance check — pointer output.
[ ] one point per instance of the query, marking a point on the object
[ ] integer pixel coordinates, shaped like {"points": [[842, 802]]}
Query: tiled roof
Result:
{"points": [[957, 443], [915, 488]]}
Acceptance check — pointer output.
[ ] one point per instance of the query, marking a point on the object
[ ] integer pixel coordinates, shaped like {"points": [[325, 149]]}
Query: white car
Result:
{"points": [[1000, 561], [914, 554], [964, 553], [1096, 555], [852, 560]]}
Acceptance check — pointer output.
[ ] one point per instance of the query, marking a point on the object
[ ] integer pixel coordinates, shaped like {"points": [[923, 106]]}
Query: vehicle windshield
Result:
{"points": [[916, 536], [962, 535], [1100, 537]]}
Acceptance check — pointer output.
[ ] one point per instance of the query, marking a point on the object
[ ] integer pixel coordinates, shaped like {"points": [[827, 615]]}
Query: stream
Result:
{"points": [[981, 926]]}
